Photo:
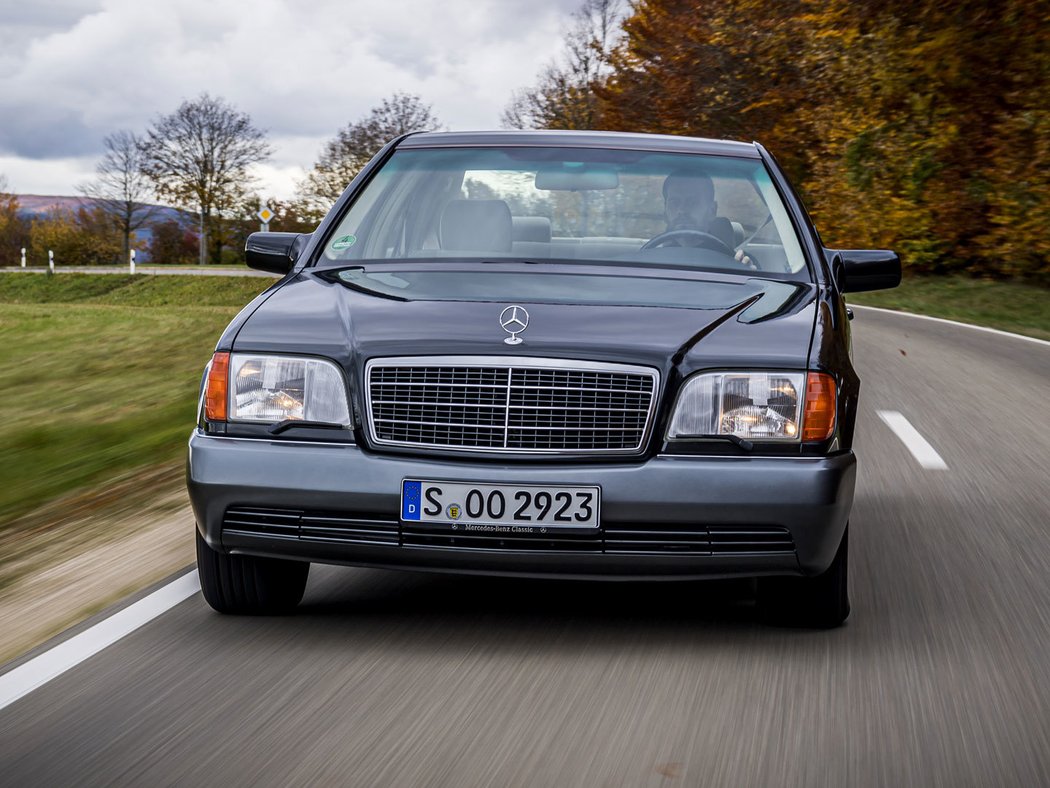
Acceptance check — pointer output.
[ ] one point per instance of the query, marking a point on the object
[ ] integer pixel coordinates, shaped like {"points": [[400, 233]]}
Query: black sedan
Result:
{"points": [[551, 354]]}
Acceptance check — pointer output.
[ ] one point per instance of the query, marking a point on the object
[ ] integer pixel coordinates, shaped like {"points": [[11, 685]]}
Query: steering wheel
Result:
{"points": [[706, 240]]}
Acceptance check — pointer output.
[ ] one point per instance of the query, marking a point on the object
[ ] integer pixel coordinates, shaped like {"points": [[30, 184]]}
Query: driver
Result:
{"points": [[689, 204]]}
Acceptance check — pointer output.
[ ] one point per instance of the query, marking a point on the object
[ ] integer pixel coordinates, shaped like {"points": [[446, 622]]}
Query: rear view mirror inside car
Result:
{"points": [[578, 178]]}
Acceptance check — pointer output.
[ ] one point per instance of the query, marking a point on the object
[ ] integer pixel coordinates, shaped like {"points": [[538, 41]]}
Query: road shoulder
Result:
{"points": [[87, 552]]}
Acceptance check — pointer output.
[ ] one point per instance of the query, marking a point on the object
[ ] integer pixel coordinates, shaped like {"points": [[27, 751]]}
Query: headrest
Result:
{"points": [[531, 228], [476, 226]]}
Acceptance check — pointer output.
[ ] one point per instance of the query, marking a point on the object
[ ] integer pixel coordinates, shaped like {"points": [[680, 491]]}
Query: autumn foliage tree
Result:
{"points": [[172, 243], [287, 218], [921, 151], [14, 229], [920, 125], [87, 236]]}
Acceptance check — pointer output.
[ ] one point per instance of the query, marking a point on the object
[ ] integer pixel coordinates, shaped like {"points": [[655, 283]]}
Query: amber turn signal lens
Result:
{"points": [[818, 420], [215, 391]]}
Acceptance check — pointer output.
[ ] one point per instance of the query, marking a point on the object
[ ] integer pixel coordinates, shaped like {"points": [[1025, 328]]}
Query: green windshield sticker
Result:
{"points": [[345, 242]]}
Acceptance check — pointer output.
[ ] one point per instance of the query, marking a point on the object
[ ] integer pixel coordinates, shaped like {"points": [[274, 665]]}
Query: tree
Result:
{"points": [[564, 96], [199, 157], [171, 243], [121, 187], [244, 221], [915, 124], [715, 68], [14, 230], [84, 237], [933, 139], [353, 146]]}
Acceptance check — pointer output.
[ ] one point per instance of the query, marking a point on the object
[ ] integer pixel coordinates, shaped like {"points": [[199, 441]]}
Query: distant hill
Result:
{"points": [[33, 205]]}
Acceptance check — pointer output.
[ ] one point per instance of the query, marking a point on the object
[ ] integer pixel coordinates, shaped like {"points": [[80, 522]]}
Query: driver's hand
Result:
{"points": [[744, 260]]}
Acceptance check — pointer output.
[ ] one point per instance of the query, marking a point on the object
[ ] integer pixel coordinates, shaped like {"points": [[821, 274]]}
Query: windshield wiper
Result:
{"points": [[742, 443]]}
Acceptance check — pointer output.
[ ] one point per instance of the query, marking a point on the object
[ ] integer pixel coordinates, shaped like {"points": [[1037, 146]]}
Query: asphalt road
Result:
{"points": [[940, 677]]}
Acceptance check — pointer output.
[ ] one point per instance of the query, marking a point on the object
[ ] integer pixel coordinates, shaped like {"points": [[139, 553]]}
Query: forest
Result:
{"points": [[920, 126]]}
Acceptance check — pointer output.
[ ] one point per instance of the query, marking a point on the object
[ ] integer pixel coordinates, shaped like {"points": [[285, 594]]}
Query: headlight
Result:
{"points": [[757, 406], [276, 388]]}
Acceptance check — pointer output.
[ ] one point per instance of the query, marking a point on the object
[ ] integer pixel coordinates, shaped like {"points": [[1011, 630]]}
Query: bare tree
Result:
{"points": [[199, 156], [121, 187], [563, 96], [350, 150]]}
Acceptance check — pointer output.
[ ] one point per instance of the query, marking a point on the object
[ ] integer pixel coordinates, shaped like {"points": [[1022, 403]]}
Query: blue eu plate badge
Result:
{"points": [[411, 494]]}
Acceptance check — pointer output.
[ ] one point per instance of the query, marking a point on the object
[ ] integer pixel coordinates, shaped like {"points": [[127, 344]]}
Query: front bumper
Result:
{"points": [[808, 499]]}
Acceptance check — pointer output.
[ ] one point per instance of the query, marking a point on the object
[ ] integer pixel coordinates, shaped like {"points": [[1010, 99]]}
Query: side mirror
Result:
{"points": [[274, 252], [857, 270]]}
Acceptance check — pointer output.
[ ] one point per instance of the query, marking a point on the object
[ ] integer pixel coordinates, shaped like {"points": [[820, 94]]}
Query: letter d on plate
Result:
{"points": [[410, 499]]}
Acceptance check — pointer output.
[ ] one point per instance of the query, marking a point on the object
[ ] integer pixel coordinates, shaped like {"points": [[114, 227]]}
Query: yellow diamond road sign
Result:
{"points": [[265, 215]]}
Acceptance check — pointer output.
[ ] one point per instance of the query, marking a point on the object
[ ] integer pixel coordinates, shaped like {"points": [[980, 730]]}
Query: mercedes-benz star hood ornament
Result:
{"points": [[514, 319]]}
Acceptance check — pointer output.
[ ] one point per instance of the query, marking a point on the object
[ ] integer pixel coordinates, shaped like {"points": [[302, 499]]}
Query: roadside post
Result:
{"points": [[131, 261], [23, 257], [265, 214], [50, 261]]}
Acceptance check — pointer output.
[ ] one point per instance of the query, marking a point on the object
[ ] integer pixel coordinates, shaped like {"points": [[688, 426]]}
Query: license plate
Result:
{"points": [[489, 506]]}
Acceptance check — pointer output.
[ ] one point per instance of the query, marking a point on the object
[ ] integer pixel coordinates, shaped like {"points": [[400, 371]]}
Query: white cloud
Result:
{"points": [[301, 71], [46, 176]]}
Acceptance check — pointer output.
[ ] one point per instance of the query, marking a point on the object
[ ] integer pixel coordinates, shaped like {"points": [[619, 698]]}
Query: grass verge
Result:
{"points": [[101, 375], [1009, 306]]}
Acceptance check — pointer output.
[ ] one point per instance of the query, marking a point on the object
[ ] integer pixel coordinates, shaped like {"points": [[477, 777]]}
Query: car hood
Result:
{"points": [[736, 321]]}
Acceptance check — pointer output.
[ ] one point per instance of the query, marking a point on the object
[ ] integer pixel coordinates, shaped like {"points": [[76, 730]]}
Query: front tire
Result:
{"points": [[246, 585], [820, 602]]}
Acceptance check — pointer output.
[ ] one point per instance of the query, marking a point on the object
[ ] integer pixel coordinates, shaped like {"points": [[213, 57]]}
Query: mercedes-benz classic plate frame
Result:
{"points": [[521, 508]]}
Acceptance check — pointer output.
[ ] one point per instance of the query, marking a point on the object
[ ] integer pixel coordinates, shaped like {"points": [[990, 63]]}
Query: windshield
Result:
{"points": [[519, 203]]}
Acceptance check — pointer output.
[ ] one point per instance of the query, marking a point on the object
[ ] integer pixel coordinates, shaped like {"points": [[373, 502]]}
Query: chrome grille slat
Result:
{"points": [[713, 540], [512, 426], [440, 386], [501, 404], [376, 402], [438, 423], [303, 526]]}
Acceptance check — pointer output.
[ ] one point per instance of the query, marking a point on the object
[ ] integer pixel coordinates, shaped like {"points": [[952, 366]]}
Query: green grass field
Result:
{"points": [[100, 375], [1009, 306]]}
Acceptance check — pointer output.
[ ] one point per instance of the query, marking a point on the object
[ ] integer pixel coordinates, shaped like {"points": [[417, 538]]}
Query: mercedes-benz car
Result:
{"points": [[545, 354]]}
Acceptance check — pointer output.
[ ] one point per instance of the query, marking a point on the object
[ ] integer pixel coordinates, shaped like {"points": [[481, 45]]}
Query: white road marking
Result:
{"points": [[953, 323], [70, 653], [913, 441]]}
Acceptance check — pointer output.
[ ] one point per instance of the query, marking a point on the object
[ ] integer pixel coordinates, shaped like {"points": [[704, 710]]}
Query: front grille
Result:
{"points": [[612, 538], [533, 406], [311, 526], [262, 522], [698, 540]]}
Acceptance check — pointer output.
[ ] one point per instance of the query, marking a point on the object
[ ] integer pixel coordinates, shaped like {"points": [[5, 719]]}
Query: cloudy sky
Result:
{"points": [[73, 71]]}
